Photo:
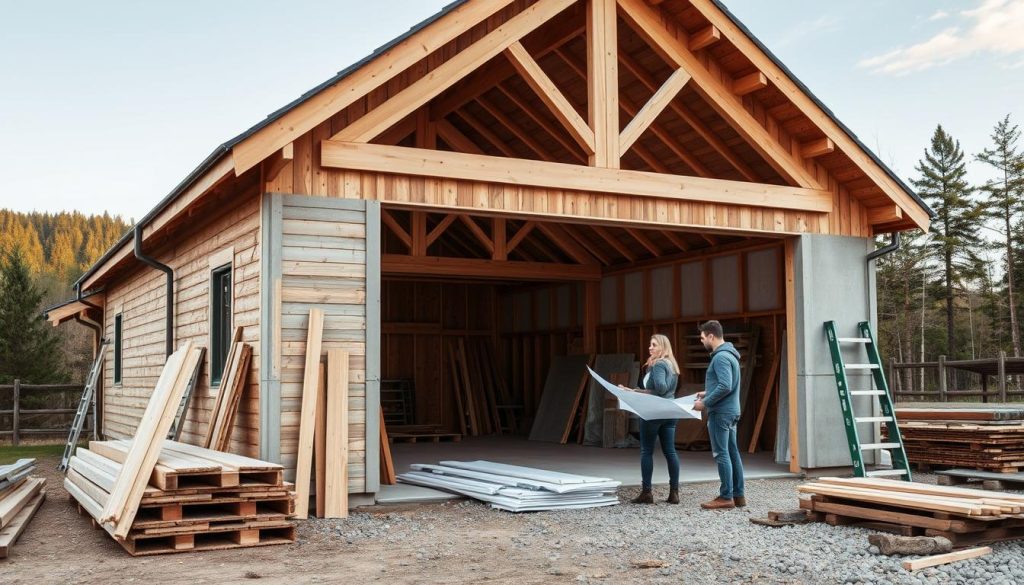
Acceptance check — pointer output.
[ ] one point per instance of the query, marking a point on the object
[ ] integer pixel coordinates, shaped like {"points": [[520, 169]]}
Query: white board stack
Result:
{"points": [[515, 488], [20, 497]]}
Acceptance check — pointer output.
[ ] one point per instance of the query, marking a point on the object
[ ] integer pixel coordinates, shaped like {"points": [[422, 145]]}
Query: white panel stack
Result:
{"points": [[515, 488]]}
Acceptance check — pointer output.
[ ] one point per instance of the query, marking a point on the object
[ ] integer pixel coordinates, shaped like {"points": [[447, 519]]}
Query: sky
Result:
{"points": [[108, 105]]}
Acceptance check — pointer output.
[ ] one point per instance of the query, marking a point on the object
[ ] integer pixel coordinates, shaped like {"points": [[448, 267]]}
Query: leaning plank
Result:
{"points": [[14, 502], [226, 418], [320, 441], [562, 388], [307, 422], [134, 477], [217, 404], [336, 480], [9, 535], [387, 466], [952, 557]]}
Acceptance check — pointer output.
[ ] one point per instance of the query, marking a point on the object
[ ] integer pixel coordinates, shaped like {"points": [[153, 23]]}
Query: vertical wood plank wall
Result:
{"points": [[140, 298], [321, 264]]}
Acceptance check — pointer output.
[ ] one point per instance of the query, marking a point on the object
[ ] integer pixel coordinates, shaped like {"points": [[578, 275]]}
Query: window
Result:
{"points": [[117, 348], [220, 321]]}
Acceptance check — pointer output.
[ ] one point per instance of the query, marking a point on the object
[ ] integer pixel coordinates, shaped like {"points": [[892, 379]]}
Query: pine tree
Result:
{"points": [[29, 349], [899, 277], [955, 238], [1005, 195]]}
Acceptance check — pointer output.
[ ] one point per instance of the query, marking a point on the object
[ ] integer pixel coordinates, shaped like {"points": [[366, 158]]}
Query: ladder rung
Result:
{"points": [[861, 366], [873, 446], [867, 392], [884, 472], [864, 419], [853, 340]]}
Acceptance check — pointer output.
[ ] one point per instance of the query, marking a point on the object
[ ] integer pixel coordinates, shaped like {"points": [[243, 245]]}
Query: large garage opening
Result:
{"points": [[483, 316]]}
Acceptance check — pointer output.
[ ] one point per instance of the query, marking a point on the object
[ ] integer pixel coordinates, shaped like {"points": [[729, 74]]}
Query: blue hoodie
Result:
{"points": [[722, 381]]}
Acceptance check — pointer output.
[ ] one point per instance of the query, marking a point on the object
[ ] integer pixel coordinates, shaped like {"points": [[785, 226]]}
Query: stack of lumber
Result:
{"points": [[480, 392], [20, 497], [514, 488], [967, 517], [195, 498], [974, 437], [232, 384]]}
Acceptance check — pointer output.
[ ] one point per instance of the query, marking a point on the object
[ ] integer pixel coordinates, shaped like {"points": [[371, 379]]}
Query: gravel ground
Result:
{"points": [[467, 542]]}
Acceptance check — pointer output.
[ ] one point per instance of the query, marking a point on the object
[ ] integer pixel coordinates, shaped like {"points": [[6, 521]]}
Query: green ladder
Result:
{"points": [[900, 467]]}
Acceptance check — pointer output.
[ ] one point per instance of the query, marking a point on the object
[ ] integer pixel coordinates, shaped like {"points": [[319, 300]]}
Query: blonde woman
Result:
{"points": [[659, 377]]}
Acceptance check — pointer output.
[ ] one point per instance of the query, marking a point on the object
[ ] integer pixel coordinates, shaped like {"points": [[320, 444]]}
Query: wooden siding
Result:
{"points": [[140, 297], [322, 265]]}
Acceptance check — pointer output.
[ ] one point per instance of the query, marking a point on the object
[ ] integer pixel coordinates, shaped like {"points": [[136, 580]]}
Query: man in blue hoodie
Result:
{"points": [[721, 399]]}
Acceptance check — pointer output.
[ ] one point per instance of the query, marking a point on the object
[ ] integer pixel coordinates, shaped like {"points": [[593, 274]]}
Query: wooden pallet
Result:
{"points": [[986, 479], [424, 437], [216, 538]]}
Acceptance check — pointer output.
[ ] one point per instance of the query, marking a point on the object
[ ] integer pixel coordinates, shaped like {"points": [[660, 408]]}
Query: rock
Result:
{"points": [[891, 544], [790, 516], [649, 563], [874, 550]]}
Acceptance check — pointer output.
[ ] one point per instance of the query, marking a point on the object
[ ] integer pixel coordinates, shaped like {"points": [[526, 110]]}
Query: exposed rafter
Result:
{"points": [[654, 106], [603, 82], [614, 242], [645, 241], [455, 138], [395, 228], [480, 128], [516, 130], [543, 122]]}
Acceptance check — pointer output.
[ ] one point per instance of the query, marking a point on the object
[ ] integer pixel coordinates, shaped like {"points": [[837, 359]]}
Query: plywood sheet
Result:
{"points": [[562, 390]]}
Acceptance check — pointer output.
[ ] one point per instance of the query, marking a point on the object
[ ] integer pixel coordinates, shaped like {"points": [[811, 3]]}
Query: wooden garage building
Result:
{"points": [[551, 175]]}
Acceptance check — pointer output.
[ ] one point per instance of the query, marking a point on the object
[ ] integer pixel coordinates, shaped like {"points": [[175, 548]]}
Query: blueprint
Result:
{"points": [[648, 406]]}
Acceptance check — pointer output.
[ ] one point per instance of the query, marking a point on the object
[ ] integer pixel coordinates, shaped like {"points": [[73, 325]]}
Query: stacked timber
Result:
{"points": [[989, 438], [514, 488], [195, 499], [20, 497], [967, 517]]}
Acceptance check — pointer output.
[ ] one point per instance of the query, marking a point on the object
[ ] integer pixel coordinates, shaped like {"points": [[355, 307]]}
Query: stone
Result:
{"points": [[891, 544]]}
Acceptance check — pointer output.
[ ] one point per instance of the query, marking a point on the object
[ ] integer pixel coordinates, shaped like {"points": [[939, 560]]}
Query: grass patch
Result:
{"points": [[9, 454]]}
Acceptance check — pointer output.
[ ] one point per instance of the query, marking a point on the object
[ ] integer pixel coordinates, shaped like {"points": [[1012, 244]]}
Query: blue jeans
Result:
{"points": [[655, 430], [722, 430]]}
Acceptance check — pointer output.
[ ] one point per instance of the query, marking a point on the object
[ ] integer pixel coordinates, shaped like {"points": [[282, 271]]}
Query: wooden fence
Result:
{"points": [[49, 410], [958, 380]]}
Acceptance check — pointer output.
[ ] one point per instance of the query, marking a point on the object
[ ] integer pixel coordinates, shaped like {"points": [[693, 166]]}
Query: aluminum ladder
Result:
{"points": [[83, 407], [174, 433], [894, 441]]}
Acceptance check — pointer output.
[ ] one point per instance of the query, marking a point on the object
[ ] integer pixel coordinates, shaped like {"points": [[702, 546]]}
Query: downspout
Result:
{"points": [[169, 333], [892, 247]]}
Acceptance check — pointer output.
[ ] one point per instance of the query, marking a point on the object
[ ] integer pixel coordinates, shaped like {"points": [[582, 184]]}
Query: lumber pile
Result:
{"points": [[514, 488], [977, 437], [194, 499], [481, 396], [20, 497], [966, 517], [232, 384]]}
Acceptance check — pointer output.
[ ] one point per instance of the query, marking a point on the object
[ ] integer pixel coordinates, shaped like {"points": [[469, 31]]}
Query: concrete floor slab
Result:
{"points": [[619, 464]]}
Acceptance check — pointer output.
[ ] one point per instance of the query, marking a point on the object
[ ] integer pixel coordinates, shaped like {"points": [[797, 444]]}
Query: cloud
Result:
{"points": [[807, 29], [939, 15], [995, 27]]}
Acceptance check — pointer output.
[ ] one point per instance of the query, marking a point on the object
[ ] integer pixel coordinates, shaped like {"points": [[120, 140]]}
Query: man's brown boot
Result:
{"points": [[673, 496], [645, 497], [740, 501], [718, 504]]}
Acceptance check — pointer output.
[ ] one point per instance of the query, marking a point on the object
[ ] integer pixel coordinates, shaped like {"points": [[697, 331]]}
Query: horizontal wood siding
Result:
{"points": [[140, 296], [323, 265]]}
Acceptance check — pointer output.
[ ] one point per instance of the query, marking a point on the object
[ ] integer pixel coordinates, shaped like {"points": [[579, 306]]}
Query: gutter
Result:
{"points": [[892, 247], [169, 319]]}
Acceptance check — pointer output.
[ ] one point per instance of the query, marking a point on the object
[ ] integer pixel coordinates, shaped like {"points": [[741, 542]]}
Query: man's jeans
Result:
{"points": [[722, 430], [651, 431]]}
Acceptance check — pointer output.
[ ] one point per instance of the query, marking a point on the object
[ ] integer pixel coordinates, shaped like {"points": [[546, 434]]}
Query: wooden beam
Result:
{"points": [[277, 161], [360, 82], [480, 128], [692, 121], [791, 365], [455, 138], [603, 82], [499, 229], [515, 129], [582, 240], [822, 119], [478, 233], [614, 242], [644, 241], [524, 231], [817, 148], [426, 88], [884, 214], [649, 23], [749, 83], [566, 243], [552, 97], [652, 109], [395, 228], [419, 233], [709, 238], [439, 228], [489, 169], [543, 122], [399, 131], [398, 264], [951, 557], [676, 240], [704, 38]]}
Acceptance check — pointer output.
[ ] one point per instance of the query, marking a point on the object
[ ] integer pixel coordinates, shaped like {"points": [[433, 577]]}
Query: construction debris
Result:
{"points": [[966, 517], [891, 544], [514, 488], [780, 519], [20, 497], [952, 557]]}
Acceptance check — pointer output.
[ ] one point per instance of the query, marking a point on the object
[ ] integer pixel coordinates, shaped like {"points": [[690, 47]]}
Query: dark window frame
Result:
{"points": [[221, 313], [118, 346]]}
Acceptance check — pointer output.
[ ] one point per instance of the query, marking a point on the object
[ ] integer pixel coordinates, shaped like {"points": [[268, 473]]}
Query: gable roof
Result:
{"points": [[223, 151]]}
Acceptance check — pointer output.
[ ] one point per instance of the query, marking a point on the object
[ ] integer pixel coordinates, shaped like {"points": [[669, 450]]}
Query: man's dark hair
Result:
{"points": [[712, 328]]}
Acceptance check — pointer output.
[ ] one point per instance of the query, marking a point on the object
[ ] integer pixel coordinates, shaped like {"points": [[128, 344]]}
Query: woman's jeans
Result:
{"points": [[722, 430], [665, 431]]}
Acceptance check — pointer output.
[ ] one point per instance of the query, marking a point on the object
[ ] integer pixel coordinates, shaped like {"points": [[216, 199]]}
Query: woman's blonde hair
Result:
{"points": [[666, 351]]}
